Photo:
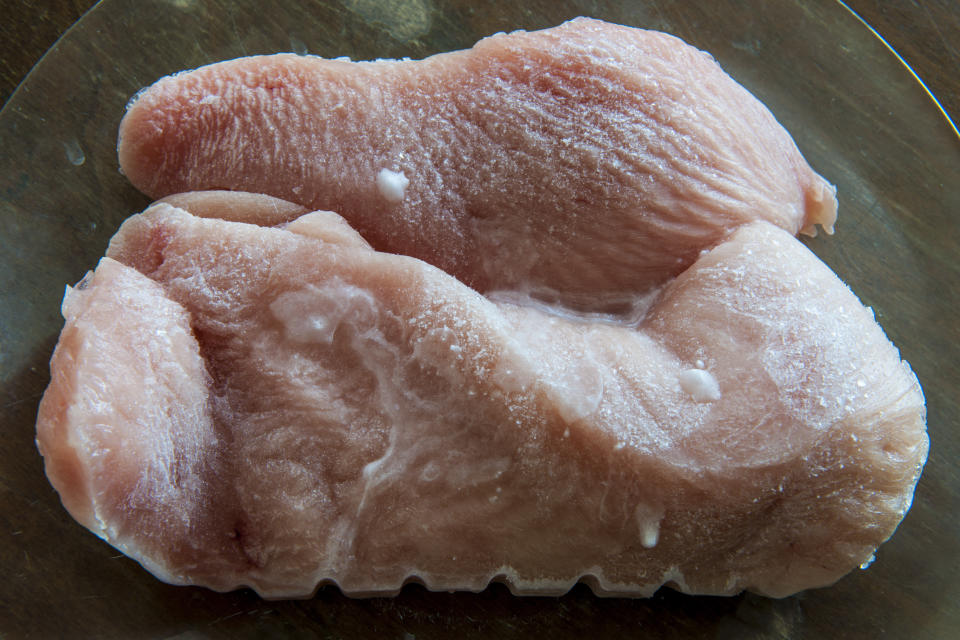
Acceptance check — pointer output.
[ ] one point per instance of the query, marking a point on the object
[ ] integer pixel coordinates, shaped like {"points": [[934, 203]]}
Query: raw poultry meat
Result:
{"points": [[582, 164], [558, 329], [282, 407]]}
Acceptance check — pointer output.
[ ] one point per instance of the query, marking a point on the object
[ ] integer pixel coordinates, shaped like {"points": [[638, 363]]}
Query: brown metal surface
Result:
{"points": [[857, 114]]}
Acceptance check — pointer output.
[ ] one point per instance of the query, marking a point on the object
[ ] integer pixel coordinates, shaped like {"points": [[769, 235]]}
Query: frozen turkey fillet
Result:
{"points": [[323, 412], [662, 385], [587, 162]]}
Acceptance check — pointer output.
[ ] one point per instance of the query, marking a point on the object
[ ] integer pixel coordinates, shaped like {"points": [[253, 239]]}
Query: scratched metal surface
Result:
{"points": [[859, 117]]}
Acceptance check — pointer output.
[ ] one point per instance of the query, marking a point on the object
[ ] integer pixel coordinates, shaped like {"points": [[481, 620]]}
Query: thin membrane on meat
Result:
{"points": [[283, 407], [583, 164]]}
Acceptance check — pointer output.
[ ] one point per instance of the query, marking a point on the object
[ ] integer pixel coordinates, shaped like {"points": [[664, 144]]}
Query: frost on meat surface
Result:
{"points": [[586, 163], [320, 411], [661, 386]]}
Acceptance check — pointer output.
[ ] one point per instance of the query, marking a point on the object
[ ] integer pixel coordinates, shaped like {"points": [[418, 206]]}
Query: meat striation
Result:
{"points": [[583, 164]]}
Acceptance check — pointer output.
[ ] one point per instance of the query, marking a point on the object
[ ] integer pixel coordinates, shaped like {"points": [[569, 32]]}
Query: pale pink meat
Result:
{"points": [[584, 163], [660, 386], [320, 411]]}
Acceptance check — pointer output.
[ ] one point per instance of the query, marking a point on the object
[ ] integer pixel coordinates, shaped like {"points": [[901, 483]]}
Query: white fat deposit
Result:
{"points": [[700, 385], [392, 184]]}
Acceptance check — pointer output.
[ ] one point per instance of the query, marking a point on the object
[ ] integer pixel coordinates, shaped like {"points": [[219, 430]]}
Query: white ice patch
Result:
{"points": [[648, 521], [392, 184], [512, 375], [74, 152], [650, 535], [700, 385], [578, 390], [298, 46], [313, 314]]}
